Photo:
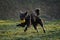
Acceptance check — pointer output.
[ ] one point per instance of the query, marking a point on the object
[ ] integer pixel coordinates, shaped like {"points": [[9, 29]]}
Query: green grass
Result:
{"points": [[9, 31]]}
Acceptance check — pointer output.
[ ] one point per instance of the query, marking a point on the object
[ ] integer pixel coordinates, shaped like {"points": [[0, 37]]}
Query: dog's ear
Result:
{"points": [[25, 13]]}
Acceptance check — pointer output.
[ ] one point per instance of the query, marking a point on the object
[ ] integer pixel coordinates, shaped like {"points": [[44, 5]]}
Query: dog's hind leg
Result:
{"points": [[40, 22], [43, 29]]}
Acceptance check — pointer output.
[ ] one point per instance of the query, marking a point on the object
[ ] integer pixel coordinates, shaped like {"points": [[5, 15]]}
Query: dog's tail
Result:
{"points": [[37, 12]]}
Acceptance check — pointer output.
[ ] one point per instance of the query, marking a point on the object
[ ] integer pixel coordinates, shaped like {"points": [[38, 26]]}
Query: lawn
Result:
{"points": [[9, 31]]}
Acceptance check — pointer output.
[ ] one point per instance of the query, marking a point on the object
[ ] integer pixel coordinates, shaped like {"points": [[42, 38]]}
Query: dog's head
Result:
{"points": [[23, 15], [22, 19]]}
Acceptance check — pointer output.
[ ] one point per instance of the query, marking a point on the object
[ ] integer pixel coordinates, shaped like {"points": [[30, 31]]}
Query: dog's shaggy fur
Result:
{"points": [[33, 19]]}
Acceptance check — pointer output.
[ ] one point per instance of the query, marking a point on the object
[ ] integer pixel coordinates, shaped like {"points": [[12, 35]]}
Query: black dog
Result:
{"points": [[33, 19]]}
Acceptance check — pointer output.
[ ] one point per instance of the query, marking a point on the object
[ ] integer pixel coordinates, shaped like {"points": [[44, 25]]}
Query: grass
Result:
{"points": [[9, 31]]}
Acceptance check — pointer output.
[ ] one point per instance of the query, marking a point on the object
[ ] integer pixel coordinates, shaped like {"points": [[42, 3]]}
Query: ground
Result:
{"points": [[9, 31]]}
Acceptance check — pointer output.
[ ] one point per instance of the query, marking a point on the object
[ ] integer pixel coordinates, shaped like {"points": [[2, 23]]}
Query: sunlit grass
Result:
{"points": [[9, 31]]}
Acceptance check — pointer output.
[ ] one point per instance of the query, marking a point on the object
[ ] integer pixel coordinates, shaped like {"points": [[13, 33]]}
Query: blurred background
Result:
{"points": [[49, 9]]}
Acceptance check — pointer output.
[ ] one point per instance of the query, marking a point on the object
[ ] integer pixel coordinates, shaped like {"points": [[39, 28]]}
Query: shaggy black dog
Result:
{"points": [[31, 19]]}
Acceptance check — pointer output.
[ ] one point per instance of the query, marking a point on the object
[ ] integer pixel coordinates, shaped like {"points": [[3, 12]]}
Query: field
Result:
{"points": [[9, 31]]}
